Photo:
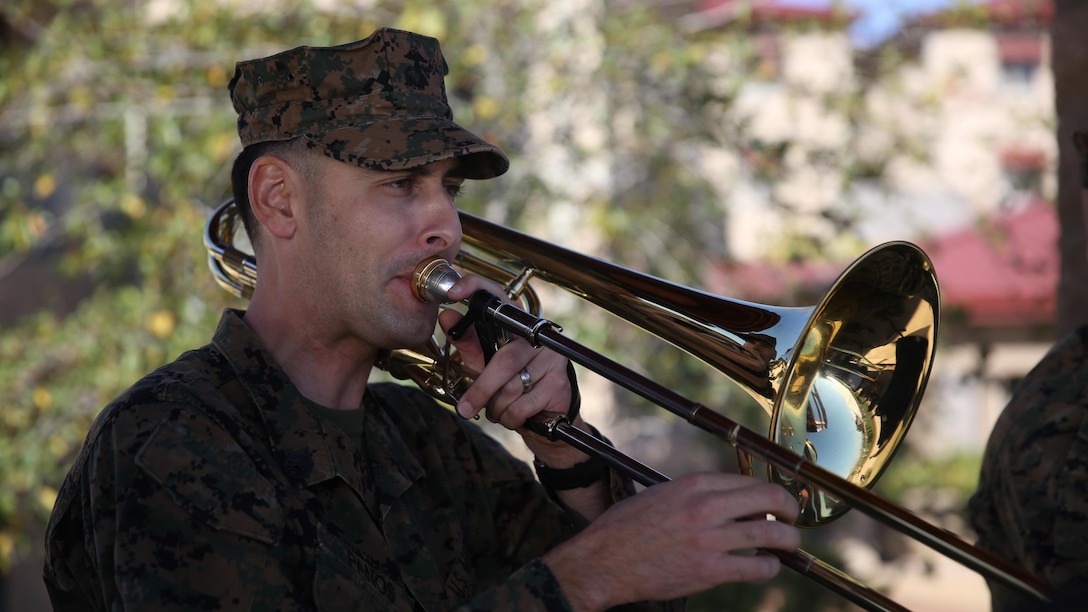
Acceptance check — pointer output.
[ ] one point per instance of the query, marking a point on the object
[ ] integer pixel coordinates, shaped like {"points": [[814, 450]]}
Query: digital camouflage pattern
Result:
{"points": [[379, 103], [1031, 506], [213, 484]]}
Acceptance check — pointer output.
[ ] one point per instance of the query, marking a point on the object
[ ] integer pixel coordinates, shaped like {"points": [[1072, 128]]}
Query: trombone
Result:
{"points": [[841, 380]]}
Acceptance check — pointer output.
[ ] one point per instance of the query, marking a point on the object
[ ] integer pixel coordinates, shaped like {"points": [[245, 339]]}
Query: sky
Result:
{"points": [[878, 19]]}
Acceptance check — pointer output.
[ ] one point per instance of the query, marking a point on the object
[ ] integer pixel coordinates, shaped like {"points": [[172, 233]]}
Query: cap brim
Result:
{"points": [[400, 144]]}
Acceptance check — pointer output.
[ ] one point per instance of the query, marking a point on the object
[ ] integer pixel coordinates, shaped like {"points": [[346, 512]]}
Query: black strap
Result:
{"points": [[490, 336], [577, 476]]}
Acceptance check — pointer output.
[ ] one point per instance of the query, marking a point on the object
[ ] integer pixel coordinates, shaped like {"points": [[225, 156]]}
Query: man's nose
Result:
{"points": [[443, 227]]}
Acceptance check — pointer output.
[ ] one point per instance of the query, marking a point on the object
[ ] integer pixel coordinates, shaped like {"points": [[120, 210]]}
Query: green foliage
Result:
{"points": [[956, 473], [115, 135]]}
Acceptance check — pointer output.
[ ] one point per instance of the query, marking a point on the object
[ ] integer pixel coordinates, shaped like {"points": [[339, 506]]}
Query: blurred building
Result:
{"points": [[957, 119]]}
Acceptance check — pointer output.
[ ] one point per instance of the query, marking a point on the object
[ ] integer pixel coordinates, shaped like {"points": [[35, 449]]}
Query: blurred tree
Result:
{"points": [[115, 135]]}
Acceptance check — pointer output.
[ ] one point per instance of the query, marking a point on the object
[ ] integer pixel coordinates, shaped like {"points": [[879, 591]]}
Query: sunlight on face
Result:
{"points": [[362, 234]]}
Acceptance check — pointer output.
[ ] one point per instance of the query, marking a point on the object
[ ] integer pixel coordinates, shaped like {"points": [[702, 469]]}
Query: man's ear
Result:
{"points": [[274, 193]]}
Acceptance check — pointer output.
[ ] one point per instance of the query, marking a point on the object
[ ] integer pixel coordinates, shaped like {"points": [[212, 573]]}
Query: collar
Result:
{"points": [[310, 451]]}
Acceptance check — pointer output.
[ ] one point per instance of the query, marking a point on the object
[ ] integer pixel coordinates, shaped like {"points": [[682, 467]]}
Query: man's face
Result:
{"points": [[364, 234]]}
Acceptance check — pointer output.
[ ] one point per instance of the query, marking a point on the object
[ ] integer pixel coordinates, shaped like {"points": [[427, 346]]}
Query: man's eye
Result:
{"points": [[455, 190]]}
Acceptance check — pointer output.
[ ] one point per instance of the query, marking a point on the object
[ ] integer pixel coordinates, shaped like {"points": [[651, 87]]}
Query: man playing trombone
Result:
{"points": [[262, 471]]}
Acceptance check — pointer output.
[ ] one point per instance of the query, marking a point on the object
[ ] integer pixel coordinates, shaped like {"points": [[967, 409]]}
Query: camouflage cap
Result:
{"points": [[379, 103]]}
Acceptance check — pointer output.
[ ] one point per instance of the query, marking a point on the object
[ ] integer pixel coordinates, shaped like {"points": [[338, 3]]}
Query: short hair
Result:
{"points": [[294, 151]]}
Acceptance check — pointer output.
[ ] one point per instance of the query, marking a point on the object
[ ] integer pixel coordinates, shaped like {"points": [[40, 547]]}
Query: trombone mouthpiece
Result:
{"points": [[432, 280]]}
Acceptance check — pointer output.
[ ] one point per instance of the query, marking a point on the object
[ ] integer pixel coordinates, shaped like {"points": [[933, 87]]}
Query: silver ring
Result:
{"points": [[526, 380]]}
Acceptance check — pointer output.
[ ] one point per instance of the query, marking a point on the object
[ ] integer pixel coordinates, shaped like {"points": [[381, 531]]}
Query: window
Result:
{"points": [[1020, 54], [1022, 170]]}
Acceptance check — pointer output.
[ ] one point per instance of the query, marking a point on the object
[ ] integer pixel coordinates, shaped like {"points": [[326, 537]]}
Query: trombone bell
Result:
{"points": [[851, 387]]}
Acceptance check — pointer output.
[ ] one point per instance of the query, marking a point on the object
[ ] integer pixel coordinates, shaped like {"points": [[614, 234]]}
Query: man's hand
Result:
{"points": [[675, 539], [518, 383]]}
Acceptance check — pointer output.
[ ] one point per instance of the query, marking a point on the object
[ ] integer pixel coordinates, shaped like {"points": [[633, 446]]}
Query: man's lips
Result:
{"points": [[404, 284]]}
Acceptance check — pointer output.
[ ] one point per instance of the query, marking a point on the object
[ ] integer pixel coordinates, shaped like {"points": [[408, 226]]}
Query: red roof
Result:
{"points": [[1004, 273], [774, 11], [1012, 11], [795, 284], [1006, 12]]}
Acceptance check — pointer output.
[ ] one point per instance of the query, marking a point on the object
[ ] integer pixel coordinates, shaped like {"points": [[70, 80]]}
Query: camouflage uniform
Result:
{"points": [[213, 484], [1031, 506]]}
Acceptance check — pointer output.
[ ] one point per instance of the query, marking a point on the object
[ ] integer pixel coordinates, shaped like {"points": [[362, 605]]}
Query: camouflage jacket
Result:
{"points": [[1031, 506], [212, 485]]}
